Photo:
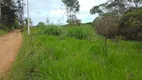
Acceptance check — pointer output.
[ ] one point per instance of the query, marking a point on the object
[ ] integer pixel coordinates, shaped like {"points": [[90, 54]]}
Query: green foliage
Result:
{"points": [[96, 9], [4, 27], [30, 21], [40, 24], [131, 26], [110, 6], [72, 5], [115, 6], [52, 30], [79, 32], [8, 13], [44, 57]]}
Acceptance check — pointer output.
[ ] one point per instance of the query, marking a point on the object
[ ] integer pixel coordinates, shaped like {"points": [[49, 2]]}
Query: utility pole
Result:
{"points": [[28, 16], [23, 13]]}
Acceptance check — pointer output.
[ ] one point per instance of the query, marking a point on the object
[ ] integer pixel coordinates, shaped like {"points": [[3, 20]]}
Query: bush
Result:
{"points": [[78, 33], [52, 30], [107, 26], [40, 24], [131, 24]]}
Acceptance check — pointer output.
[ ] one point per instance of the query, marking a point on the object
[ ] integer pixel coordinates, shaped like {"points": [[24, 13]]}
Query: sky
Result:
{"points": [[41, 10]]}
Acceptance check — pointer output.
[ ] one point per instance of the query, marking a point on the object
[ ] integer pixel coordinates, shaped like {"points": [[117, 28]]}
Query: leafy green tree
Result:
{"points": [[8, 11], [11, 13], [71, 6], [136, 3], [115, 6], [98, 9], [20, 11], [131, 24], [40, 24]]}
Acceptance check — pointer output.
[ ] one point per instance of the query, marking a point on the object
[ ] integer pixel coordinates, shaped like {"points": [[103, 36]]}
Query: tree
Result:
{"points": [[97, 9], [111, 6], [40, 24], [71, 6], [131, 24], [107, 25], [73, 20], [136, 3], [8, 11], [20, 11], [115, 6], [30, 21]]}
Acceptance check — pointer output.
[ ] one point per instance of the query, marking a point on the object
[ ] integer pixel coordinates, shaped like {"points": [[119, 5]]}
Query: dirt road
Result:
{"points": [[9, 46]]}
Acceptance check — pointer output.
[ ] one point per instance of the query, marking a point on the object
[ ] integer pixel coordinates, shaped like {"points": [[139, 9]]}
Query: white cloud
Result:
{"points": [[41, 9]]}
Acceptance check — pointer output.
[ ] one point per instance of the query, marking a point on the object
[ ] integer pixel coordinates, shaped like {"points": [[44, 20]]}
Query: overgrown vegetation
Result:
{"points": [[76, 52], [79, 33], [49, 57], [52, 30], [131, 24], [129, 20], [11, 15]]}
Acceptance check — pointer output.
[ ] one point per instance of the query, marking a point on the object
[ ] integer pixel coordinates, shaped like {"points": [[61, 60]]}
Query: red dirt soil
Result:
{"points": [[9, 46]]}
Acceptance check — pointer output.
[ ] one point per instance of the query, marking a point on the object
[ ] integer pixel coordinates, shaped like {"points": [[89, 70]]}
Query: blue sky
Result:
{"points": [[40, 10]]}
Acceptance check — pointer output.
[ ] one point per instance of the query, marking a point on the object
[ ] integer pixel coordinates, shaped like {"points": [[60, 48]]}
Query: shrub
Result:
{"points": [[78, 33], [40, 24], [52, 30], [107, 26], [131, 24]]}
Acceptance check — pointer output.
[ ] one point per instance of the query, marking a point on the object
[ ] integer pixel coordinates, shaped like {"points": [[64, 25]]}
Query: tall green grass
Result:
{"points": [[52, 30], [45, 57], [79, 32]]}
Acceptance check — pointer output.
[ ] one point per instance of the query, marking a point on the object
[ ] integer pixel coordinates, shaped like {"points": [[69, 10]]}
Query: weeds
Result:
{"points": [[46, 57], [79, 33], [52, 30]]}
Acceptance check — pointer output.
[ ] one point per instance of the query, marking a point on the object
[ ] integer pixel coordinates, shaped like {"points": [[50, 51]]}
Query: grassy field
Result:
{"points": [[65, 55]]}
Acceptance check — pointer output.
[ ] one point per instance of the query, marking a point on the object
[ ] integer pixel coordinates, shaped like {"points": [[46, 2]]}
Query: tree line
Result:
{"points": [[119, 18], [11, 13]]}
